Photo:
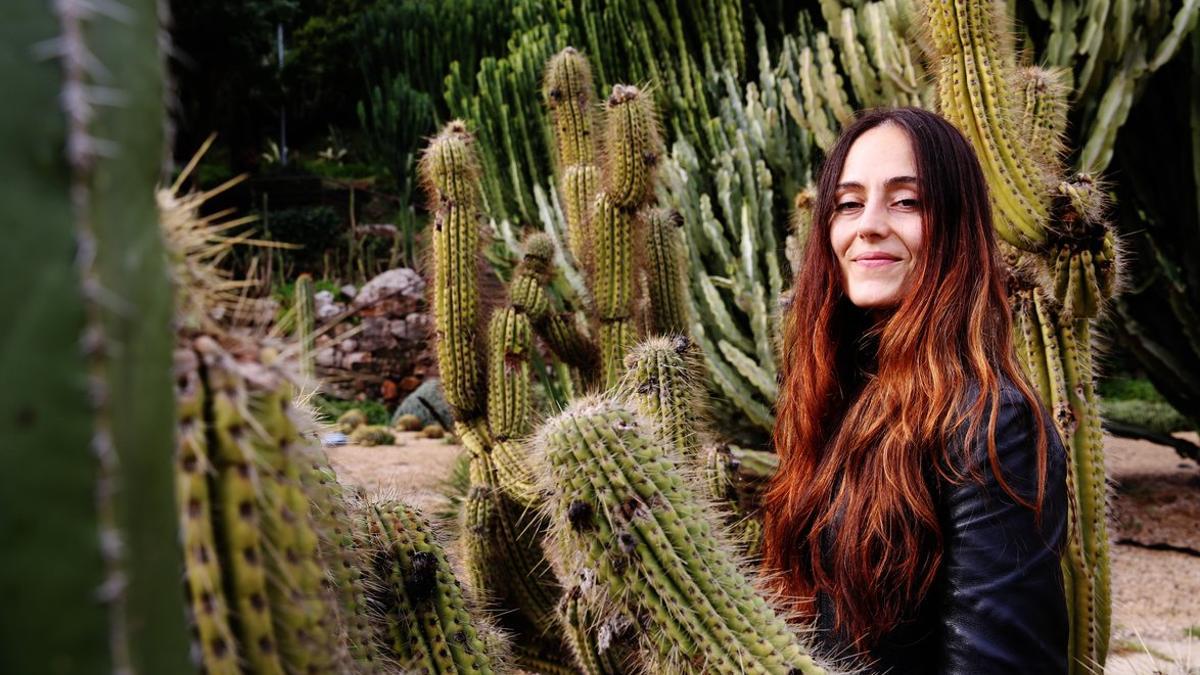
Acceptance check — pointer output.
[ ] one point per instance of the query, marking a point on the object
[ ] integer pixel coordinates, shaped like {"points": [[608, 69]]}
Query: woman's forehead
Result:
{"points": [[880, 156]]}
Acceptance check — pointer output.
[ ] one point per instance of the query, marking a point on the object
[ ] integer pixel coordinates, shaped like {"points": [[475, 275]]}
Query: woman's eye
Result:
{"points": [[908, 203], [847, 206]]}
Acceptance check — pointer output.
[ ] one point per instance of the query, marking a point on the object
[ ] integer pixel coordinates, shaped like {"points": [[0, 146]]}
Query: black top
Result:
{"points": [[998, 604]]}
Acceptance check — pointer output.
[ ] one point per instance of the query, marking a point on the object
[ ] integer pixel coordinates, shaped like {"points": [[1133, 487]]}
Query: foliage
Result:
{"points": [[315, 229], [332, 408], [1157, 416]]}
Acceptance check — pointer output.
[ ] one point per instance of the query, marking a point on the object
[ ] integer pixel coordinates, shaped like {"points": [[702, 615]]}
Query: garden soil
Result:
{"points": [[1155, 499]]}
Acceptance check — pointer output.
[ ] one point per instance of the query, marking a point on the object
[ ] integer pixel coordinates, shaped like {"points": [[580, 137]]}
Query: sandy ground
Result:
{"points": [[1155, 499]]}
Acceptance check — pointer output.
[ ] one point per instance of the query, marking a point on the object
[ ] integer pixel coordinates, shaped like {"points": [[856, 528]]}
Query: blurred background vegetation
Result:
{"points": [[325, 104]]}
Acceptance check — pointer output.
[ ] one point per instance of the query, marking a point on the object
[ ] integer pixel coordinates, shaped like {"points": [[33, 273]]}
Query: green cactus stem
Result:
{"points": [[209, 611], [92, 561], [632, 147], [431, 628], [511, 561], [305, 617], [976, 69], [510, 340], [568, 92], [451, 178], [621, 511], [662, 378], [242, 544], [666, 283], [305, 317], [344, 557]]}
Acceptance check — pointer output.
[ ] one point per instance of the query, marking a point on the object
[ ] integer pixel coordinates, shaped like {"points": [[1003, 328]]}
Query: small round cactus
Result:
{"points": [[371, 435], [433, 431], [351, 420], [407, 423]]}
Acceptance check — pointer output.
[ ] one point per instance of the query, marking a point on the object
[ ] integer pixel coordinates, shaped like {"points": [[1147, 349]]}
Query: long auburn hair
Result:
{"points": [[858, 451]]}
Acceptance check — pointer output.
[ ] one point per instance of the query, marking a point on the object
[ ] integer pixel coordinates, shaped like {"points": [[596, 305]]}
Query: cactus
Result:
{"points": [[350, 420], [305, 315], [407, 422], [372, 434], [431, 628], [624, 515], [433, 431], [91, 569]]}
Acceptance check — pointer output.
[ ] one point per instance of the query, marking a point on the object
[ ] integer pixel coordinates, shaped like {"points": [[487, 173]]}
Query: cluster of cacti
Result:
{"points": [[672, 45]]}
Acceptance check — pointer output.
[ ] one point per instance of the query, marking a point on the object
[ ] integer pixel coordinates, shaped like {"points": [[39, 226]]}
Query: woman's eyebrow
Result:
{"points": [[889, 183]]}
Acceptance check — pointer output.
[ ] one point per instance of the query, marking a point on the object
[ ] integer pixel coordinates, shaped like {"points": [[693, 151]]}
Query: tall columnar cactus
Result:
{"points": [[1059, 227], [305, 317], [90, 564], [569, 94]]}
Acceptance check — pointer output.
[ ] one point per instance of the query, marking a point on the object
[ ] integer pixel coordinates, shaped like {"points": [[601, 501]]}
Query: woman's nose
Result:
{"points": [[874, 221]]}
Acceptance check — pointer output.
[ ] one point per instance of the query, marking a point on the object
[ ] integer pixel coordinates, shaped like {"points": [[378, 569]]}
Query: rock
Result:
{"points": [[400, 283], [428, 403], [348, 345], [326, 358], [349, 291], [324, 307], [356, 359]]}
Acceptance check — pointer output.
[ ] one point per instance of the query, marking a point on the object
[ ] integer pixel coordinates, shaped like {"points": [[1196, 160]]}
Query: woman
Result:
{"points": [[920, 507]]}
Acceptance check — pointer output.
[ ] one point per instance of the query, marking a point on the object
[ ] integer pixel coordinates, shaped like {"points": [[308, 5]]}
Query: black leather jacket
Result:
{"points": [[998, 605]]}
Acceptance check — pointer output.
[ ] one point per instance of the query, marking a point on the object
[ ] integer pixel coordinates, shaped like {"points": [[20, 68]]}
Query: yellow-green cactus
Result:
{"points": [[449, 170]]}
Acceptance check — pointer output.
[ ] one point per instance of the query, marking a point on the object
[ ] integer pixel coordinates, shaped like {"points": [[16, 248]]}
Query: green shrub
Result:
{"points": [[314, 228], [1128, 388], [332, 408], [1158, 416]]}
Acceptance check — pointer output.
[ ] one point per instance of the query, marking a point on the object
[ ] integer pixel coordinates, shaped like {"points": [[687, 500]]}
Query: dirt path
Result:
{"points": [[1155, 500]]}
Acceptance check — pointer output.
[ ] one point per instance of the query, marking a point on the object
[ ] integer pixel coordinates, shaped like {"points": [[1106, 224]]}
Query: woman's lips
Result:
{"points": [[875, 262]]}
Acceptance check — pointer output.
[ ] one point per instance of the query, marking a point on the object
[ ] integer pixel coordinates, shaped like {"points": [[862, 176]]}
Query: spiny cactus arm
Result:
{"points": [[451, 177], [305, 315], [614, 488], [662, 378], [568, 92], [632, 147], [89, 413], [1086, 263], [241, 545], [509, 343], [1038, 343], [343, 555], [1086, 444], [516, 570], [209, 610], [528, 293], [423, 579], [974, 70], [1044, 111], [305, 616], [665, 280]]}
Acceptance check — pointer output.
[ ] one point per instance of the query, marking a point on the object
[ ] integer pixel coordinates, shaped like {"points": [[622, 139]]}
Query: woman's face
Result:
{"points": [[877, 230]]}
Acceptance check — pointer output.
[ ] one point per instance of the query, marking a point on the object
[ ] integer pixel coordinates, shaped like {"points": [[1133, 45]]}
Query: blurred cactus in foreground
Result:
{"points": [[90, 576]]}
